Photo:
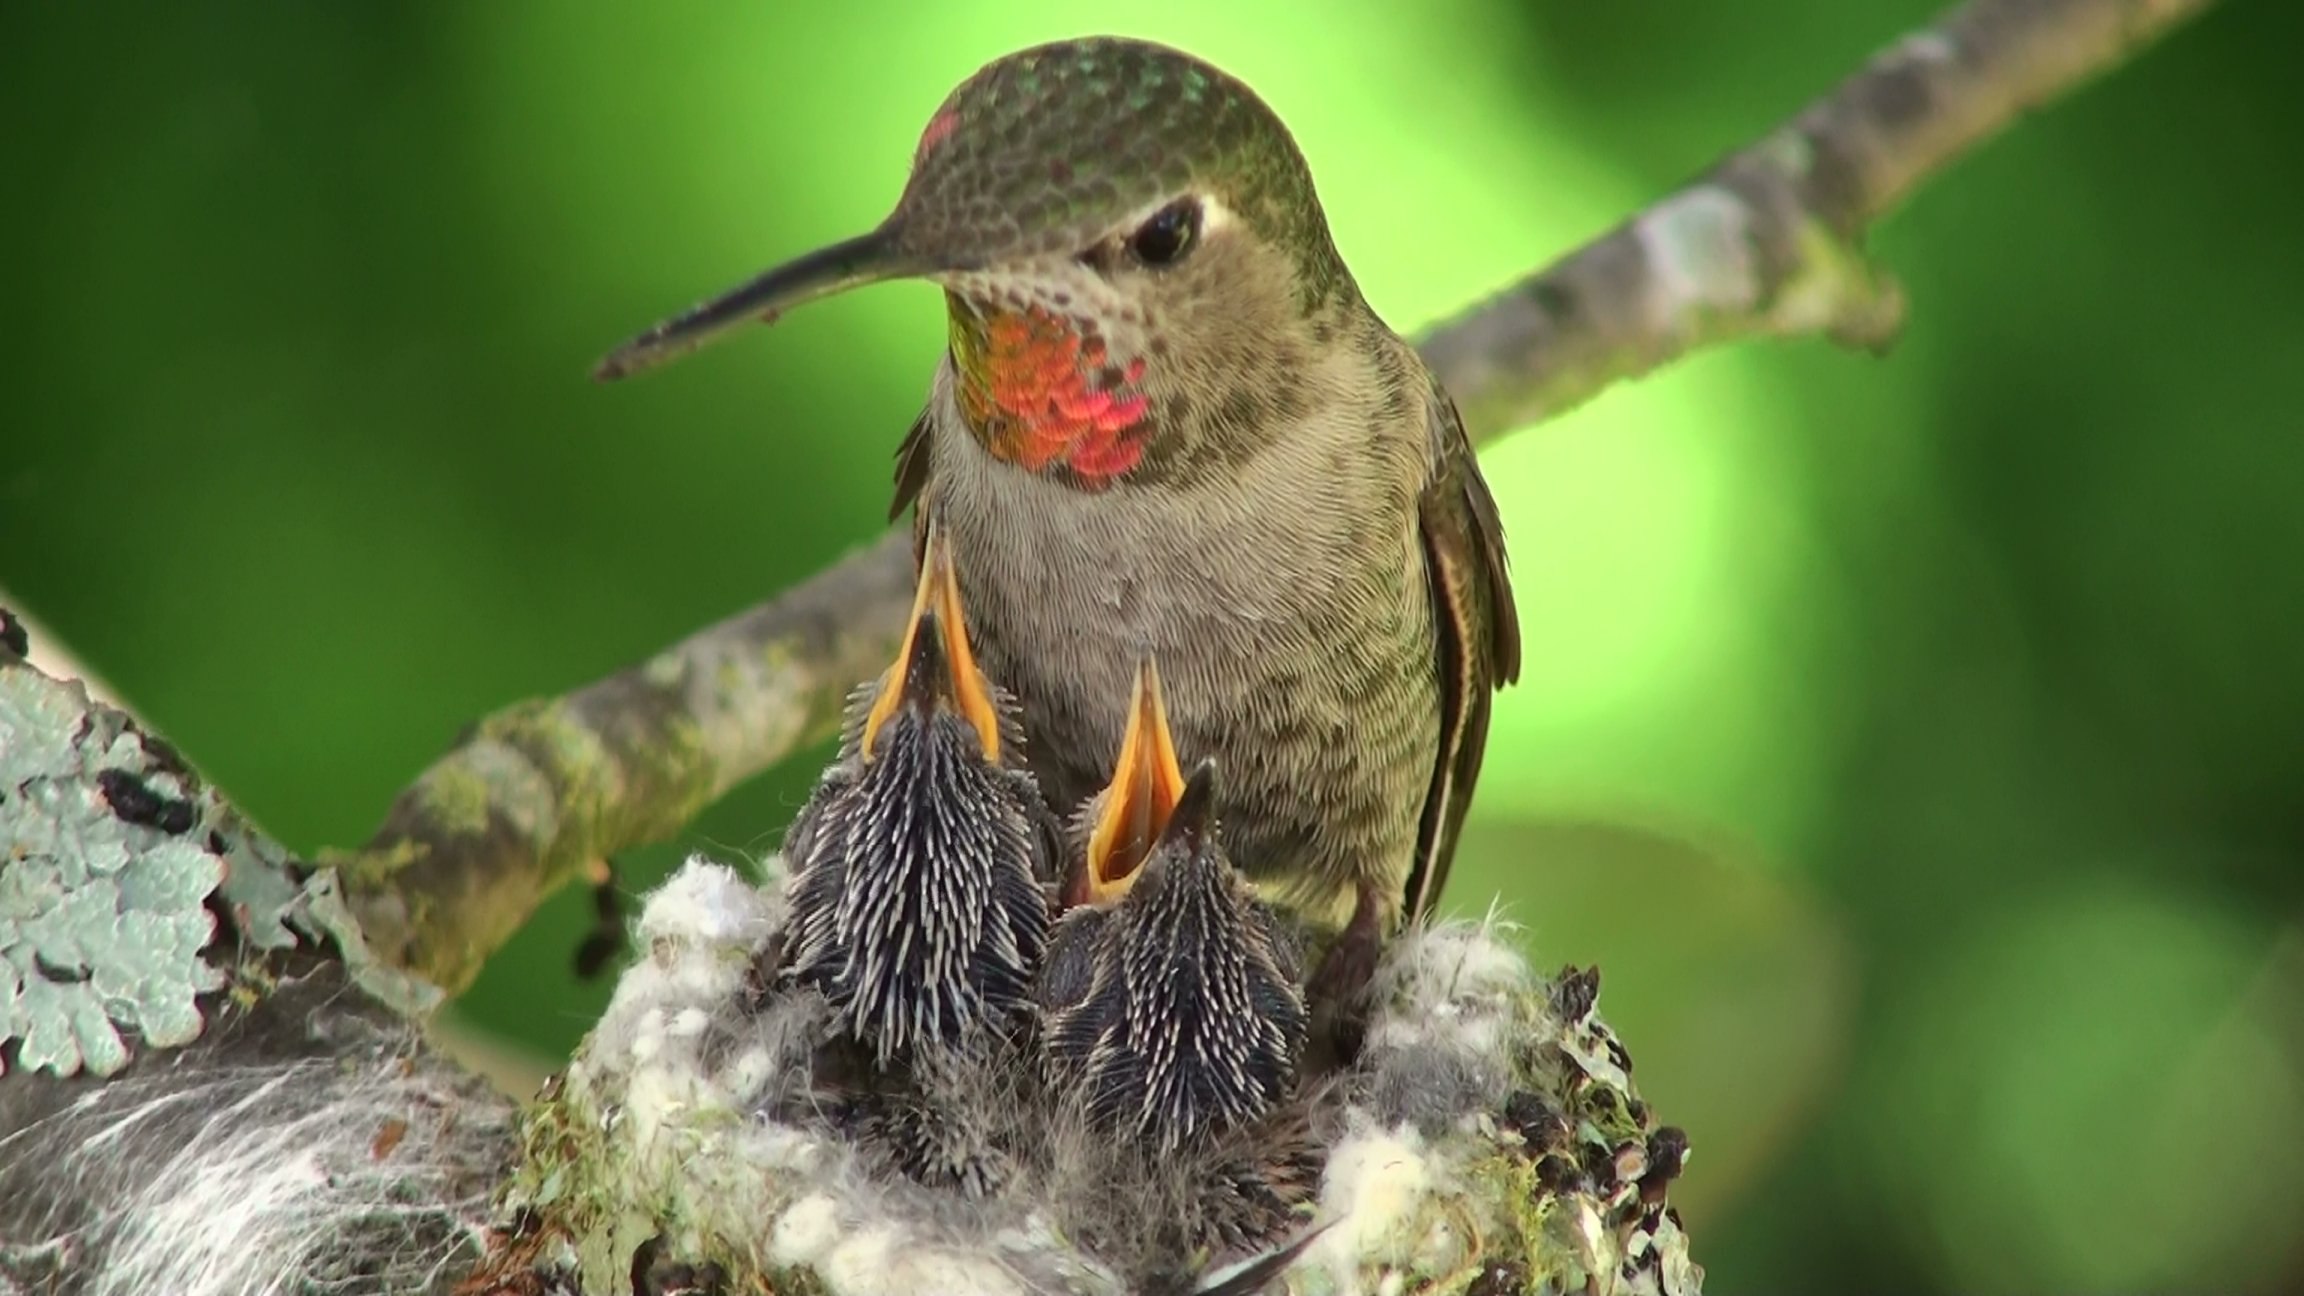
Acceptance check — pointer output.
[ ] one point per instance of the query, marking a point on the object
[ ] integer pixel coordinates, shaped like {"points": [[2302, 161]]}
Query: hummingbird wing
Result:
{"points": [[912, 482], [1259, 1275], [912, 472], [1479, 637]]}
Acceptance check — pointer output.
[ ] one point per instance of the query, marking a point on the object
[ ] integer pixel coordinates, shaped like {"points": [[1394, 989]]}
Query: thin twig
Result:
{"points": [[1766, 243]]}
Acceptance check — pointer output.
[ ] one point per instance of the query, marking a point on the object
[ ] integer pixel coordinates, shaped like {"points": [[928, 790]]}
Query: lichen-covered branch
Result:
{"points": [[1766, 243], [207, 1085]]}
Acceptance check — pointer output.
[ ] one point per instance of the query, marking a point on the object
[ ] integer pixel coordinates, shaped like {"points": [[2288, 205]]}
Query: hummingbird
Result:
{"points": [[1168, 423], [920, 865], [1169, 1004]]}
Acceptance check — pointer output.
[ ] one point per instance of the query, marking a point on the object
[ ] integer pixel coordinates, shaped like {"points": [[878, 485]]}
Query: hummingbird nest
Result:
{"points": [[1486, 1139]]}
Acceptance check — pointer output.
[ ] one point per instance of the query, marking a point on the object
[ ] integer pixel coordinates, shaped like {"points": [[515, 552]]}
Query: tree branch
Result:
{"points": [[533, 793], [1766, 243]]}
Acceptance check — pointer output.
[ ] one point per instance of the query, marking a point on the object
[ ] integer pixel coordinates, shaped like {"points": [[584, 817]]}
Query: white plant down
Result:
{"points": [[356, 1172]]}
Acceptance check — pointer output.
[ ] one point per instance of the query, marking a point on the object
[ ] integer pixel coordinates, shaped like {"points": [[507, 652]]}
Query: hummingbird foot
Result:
{"points": [[1338, 995]]}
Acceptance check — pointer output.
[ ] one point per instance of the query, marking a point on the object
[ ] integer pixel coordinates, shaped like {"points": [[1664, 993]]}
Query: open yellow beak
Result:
{"points": [[935, 663], [1146, 782]]}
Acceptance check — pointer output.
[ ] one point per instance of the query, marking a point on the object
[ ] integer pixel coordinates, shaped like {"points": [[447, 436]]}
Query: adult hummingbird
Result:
{"points": [[1168, 424]]}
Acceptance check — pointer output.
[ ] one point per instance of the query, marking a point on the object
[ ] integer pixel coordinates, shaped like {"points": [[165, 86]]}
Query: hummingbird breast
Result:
{"points": [[1285, 600]]}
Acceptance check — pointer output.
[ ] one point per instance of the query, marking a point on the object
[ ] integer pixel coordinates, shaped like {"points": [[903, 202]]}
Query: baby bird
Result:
{"points": [[919, 866], [1171, 1001]]}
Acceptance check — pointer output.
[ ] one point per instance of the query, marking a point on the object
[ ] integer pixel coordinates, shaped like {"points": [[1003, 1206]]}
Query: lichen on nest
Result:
{"points": [[1487, 1139]]}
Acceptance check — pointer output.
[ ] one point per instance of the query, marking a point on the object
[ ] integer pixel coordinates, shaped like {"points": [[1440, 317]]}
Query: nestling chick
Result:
{"points": [[1172, 1003], [920, 864]]}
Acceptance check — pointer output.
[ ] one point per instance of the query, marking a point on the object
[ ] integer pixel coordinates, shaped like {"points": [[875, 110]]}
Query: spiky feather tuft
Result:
{"points": [[1178, 1014], [917, 893]]}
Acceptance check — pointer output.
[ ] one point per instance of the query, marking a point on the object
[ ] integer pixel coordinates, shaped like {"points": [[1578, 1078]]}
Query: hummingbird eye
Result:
{"points": [[1168, 234]]}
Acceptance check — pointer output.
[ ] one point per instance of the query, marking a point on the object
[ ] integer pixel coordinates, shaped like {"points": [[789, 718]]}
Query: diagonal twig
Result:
{"points": [[1768, 242]]}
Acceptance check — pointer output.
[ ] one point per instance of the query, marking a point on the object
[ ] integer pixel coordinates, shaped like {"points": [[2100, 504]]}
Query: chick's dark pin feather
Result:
{"points": [[919, 905], [1171, 1001]]}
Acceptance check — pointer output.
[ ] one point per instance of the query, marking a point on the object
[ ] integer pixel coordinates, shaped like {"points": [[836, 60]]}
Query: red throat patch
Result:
{"points": [[1039, 391]]}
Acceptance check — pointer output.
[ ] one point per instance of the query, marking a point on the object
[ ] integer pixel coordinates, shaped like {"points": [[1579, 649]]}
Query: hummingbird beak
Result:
{"points": [[1146, 786], [866, 259], [1195, 809], [935, 664]]}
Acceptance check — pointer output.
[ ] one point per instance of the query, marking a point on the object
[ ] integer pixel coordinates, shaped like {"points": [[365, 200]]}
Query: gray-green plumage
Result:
{"points": [[1042, 151], [1170, 425]]}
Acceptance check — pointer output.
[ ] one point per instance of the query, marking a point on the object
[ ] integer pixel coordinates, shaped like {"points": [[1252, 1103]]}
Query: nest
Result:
{"points": [[1487, 1139]]}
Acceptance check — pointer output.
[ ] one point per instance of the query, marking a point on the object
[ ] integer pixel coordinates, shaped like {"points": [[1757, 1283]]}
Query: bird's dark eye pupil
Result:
{"points": [[1168, 235]]}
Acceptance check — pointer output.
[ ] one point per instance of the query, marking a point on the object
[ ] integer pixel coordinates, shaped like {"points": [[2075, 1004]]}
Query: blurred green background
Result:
{"points": [[1917, 744]]}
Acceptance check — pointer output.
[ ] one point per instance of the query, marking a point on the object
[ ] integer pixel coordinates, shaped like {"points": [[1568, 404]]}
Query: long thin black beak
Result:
{"points": [[866, 259]]}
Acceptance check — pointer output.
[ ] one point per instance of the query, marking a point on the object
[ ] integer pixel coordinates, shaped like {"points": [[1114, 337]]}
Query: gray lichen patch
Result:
{"points": [[116, 864], [103, 885], [1489, 1133], [323, 910]]}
